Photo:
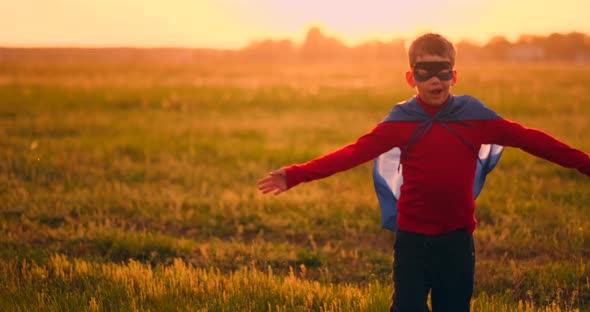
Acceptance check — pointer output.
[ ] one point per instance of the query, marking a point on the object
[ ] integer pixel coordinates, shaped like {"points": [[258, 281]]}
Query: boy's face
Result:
{"points": [[432, 76]]}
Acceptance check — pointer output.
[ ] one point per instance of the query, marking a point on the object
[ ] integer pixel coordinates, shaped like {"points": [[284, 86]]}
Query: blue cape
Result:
{"points": [[387, 170]]}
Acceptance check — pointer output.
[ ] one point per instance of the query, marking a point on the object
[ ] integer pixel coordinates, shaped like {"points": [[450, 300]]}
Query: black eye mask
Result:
{"points": [[442, 70]]}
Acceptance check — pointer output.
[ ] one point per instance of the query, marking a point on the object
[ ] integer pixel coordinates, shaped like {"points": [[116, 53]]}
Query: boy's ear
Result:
{"points": [[410, 79], [454, 81]]}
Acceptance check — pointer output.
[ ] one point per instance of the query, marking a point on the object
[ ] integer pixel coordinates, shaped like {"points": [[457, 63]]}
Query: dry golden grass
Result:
{"points": [[134, 188]]}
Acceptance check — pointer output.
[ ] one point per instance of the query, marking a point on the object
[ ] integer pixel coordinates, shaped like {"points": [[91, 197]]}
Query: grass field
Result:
{"points": [[133, 188]]}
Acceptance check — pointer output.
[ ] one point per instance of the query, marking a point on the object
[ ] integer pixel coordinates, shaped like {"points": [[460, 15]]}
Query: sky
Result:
{"points": [[231, 24]]}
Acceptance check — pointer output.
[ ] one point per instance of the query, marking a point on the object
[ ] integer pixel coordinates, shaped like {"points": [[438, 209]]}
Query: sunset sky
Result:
{"points": [[235, 23]]}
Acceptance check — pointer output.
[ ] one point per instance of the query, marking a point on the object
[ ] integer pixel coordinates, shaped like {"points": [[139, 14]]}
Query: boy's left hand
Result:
{"points": [[276, 182]]}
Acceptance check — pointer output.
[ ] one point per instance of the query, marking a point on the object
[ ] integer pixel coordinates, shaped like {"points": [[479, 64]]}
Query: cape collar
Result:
{"points": [[432, 110]]}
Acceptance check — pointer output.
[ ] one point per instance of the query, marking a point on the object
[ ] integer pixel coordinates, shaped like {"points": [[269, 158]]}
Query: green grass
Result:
{"points": [[134, 188]]}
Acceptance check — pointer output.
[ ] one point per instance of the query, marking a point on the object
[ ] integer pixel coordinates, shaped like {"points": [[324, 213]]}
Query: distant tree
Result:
{"points": [[269, 50], [469, 51], [393, 51], [530, 40], [528, 48], [497, 48], [554, 47], [319, 47], [566, 47], [575, 44]]}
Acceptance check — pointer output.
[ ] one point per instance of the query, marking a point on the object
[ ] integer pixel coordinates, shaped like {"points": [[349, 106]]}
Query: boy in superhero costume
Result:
{"points": [[432, 154]]}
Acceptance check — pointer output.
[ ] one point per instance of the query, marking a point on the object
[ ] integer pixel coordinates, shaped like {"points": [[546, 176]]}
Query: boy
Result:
{"points": [[433, 248]]}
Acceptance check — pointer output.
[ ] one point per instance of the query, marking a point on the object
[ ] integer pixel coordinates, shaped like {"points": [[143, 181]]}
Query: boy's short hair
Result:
{"points": [[431, 44]]}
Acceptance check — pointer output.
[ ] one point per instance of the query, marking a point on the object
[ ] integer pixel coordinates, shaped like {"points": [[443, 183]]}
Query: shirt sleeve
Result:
{"points": [[538, 143], [379, 140]]}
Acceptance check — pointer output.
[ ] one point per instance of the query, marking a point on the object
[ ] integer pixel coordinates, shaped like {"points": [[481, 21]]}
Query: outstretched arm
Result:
{"points": [[379, 140], [538, 143]]}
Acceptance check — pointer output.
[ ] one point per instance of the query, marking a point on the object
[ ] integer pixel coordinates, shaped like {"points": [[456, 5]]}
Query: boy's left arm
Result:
{"points": [[504, 132]]}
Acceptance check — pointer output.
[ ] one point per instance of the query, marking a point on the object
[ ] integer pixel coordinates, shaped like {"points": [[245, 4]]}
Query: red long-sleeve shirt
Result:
{"points": [[438, 171]]}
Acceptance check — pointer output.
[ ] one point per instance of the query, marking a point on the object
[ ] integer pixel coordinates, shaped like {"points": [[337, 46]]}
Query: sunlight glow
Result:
{"points": [[234, 23]]}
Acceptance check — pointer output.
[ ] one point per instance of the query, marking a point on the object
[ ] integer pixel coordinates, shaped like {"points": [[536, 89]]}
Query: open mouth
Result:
{"points": [[436, 92]]}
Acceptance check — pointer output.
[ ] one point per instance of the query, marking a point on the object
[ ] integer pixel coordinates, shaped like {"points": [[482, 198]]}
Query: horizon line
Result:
{"points": [[253, 41]]}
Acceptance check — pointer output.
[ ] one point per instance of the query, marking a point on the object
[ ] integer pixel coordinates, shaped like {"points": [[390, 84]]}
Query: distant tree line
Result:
{"points": [[571, 47], [317, 47]]}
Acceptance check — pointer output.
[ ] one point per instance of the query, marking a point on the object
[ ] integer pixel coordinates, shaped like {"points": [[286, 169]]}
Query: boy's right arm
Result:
{"points": [[379, 140]]}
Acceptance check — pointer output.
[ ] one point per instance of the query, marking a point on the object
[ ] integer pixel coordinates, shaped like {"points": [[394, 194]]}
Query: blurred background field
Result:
{"points": [[132, 186]]}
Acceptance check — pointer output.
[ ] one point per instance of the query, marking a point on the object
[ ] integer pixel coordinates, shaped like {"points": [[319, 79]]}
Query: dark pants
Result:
{"points": [[443, 264]]}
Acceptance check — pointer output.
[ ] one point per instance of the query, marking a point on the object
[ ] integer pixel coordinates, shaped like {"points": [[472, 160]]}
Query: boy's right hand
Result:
{"points": [[276, 182]]}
